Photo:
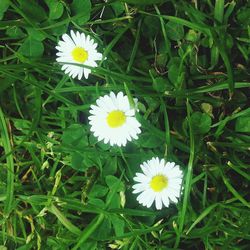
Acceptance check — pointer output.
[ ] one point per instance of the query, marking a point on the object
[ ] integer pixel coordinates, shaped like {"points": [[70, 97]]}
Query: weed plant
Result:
{"points": [[187, 63]]}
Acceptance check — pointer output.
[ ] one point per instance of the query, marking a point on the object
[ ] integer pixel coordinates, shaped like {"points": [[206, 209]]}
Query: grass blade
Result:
{"points": [[219, 10], [135, 47], [234, 192], [72, 228], [89, 230], [188, 179], [10, 165], [202, 216]]}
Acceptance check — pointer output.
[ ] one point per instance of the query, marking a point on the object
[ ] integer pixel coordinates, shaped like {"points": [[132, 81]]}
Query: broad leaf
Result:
{"points": [[200, 122], [143, 2], [243, 124], [32, 10], [31, 48], [174, 31], [82, 9], [4, 5]]}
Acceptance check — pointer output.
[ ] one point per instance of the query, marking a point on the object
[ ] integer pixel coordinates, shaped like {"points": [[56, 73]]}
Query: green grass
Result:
{"points": [[188, 65]]}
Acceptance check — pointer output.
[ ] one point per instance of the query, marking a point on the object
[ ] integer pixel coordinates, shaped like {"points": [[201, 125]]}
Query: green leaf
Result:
{"points": [[35, 34], [82, 161], [201, 122], [161, 84], [207, 108], [7, 207], [82, 8], [22, 125], [202, 216], [90, 245], [113, 200], [243, 16], [118, 225], [55, 9], [143, 2], [32, 10], [25, 247], [65, 221], [57, 30], [113, 181], [219, 10], [96, 202], [4, 5], [31, 48], [98, 191], [77, 162], [75, 136], [5, 83], [91, 160], [243, 124], [150, 26], [15, 32], [103, 230], [173, 70], [135, 212], [149, 140], [192, 36], [118, 8], [89, 230], [110, 166], [174, 31]]}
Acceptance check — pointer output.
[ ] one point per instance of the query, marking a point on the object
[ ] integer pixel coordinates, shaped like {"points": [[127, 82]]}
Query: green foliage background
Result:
{"points": [[188, 65]]}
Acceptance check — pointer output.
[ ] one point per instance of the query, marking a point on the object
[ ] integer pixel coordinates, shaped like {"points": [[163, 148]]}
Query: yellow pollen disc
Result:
{"points": [[79, 54], [159, 182], [116, 119]]}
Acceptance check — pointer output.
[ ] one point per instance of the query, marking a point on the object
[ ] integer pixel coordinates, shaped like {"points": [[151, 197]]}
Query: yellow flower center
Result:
{"points": [[159, 182], [116, 119], [79, 54]]}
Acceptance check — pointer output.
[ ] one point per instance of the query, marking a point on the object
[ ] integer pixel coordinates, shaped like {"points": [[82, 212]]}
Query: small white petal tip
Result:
{"points": [[109, 120], [77, 49], [160, 182]]}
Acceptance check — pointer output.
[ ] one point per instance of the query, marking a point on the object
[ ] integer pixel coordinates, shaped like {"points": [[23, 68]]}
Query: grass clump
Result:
{"points": [[188, 66]]}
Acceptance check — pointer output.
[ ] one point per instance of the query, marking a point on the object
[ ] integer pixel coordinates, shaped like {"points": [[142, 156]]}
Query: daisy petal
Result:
{"points": [[79, 49], [160, 181], [110, 121]]}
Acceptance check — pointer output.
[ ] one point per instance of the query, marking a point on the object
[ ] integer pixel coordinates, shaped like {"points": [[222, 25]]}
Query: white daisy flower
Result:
{"points": [[113, 119], [80, 49], [160, 182]]}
